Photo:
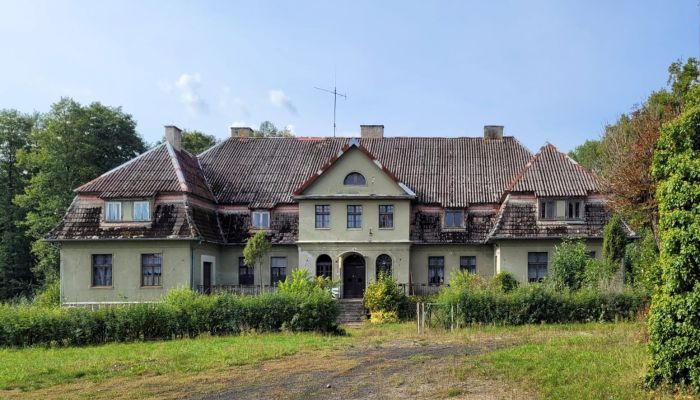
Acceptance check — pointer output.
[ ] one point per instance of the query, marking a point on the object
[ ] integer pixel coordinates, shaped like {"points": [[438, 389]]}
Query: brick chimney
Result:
{"points": [[241, 132], [372, 131], [493, 132], [173, 135]]}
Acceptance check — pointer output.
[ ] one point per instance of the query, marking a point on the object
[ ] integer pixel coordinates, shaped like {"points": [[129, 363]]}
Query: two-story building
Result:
{"points": [[347, 208]]}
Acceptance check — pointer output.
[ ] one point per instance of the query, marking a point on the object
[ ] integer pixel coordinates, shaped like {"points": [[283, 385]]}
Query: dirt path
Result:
{"points": [[399, 369]]}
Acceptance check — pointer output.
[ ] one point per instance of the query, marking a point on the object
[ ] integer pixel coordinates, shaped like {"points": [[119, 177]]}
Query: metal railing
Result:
{"points": [[244, 290], [421, 289]]}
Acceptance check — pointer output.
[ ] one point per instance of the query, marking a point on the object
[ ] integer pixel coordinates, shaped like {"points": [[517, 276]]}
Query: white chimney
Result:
{"points": [[173, 135], [371, 131], [241, 132], [493, 132]]}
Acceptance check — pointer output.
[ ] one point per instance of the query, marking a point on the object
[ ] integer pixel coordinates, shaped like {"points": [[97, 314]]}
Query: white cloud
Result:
{"points": [[187, 87], [279, 99], [228, 103]]}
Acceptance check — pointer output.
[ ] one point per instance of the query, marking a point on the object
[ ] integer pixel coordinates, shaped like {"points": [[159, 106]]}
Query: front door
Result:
{"points": [[206, 277], [353, 276]]}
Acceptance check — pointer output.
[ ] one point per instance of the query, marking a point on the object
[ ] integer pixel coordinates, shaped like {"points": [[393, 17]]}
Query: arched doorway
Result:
{"points": [[353, 276]]}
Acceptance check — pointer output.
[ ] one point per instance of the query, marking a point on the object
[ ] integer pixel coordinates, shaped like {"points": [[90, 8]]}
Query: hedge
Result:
{"points": [[181, 314], [536, 304]]}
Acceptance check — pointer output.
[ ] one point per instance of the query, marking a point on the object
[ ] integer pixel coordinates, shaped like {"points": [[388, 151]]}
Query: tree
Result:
{"points": [[674, 325], [255, 249], [15, 259], [642, 257], [614, 240], [268, 129], [70, 145], [195, 141], [588, 154], [568, 264]]}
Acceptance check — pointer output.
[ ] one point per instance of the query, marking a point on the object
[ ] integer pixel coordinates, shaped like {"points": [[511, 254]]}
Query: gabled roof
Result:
{"points": [[551, 173], [159, 170], [354, 143], [453, 172]]}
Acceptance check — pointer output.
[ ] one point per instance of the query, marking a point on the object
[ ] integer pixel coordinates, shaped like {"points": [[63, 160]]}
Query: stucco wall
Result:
{"points": [[227, 269], [339, 232], [513, 253], [205, 252], [452, 253], [399, 253], [76, 269], [354, 160]]}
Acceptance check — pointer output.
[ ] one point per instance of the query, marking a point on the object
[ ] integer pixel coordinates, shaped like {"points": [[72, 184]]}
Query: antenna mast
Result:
{"points": [[335, 94]]}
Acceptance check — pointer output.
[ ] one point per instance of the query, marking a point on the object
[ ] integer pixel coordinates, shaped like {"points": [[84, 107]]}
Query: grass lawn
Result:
{"points": [[577, 361]]}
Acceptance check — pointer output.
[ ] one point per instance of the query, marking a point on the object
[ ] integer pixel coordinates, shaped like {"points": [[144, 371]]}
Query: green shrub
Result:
{"points": [[50, 295], [300, 283], [568, 265], [642, 257], [600, 274], [384, 296], [540, 304], [182, 313], [504, 282]]}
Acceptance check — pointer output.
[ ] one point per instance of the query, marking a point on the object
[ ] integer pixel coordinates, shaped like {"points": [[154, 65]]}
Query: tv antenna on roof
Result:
{"points": [[335, 94]]}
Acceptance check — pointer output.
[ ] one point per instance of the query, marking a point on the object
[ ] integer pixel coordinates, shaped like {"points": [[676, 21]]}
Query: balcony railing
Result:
{"points": [[421, 289], [244, 290]]}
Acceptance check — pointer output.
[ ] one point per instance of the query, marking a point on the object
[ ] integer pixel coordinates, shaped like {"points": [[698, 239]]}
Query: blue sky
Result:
{"points": [[555, 71]]}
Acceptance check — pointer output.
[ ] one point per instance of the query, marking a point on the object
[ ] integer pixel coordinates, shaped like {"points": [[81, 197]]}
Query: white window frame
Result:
{"points": [[119, 208], [254, 217], [148, 210]]}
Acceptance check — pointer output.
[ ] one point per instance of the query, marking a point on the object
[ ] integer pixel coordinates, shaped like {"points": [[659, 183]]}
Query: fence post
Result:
{"points": [[423, 319], [452, 317], [418, 316]]}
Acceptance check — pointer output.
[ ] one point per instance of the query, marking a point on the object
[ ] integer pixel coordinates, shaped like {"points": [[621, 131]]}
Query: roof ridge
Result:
{"points": [[118, 167], [177, 167]]}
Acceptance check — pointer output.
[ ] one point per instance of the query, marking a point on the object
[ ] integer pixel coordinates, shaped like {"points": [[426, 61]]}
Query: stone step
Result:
{"points": [[351, 311]]}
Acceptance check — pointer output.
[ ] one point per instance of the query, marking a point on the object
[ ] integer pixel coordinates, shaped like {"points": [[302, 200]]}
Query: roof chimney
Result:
{"points": [[493, 132], [372, 131], [173, 135], [241, 132]]}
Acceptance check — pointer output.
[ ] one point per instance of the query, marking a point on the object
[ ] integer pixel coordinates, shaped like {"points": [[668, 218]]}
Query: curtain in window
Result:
{"points": [[436, 270], [141, 211], [383, 265], [114, 211], [150, 269], [278, 269], [102, 270]]}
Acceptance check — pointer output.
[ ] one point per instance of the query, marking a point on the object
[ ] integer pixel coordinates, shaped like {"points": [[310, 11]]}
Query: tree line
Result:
{"points": [[43, 158]]}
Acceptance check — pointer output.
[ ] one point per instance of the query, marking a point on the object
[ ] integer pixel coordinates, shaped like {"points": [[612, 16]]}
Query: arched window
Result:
{"points": [[354, 178], [324, 266], [383, 265]]}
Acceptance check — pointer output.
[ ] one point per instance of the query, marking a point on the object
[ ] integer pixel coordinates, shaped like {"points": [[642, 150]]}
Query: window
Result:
{"points": [[261, 219], [150, 269], [548, 209], [142, 211], [590, 254], [113, 211], [436, 270], [536, 266], [101, 270], [383, 265], [324, 266], [246, 274], [468, 263], [323, 217], [386, 217], [354, 217], [354, 179], [574, 209], [278, 269], [454, 218]]}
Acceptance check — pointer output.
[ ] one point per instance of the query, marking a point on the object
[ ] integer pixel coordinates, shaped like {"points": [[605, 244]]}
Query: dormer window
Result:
{"points": [[142, 211], [113, 211], [354, 179], [574, 209], [454, 218], [562, 209], [261, 219], [548, 209]]}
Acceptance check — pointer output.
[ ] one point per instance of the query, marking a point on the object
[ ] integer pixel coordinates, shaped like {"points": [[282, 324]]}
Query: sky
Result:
{"points": [[555, 71]]}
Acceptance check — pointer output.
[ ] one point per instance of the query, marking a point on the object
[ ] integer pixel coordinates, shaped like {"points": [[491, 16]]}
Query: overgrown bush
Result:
{"points": [[642, 257], [568, 265], [384, 296], [182, 313], [504, 282], [301, 283], [600, 274], [50, 295], [541, 304]]}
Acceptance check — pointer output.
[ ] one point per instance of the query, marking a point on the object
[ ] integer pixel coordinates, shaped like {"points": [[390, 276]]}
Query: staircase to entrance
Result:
{"points": [[351, 311]]}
